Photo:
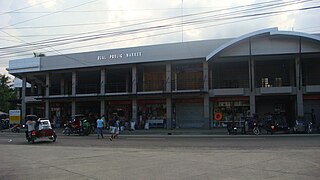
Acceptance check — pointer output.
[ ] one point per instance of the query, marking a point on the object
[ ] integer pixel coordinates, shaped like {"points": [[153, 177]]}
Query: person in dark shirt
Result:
{"points": [[112, 125]]}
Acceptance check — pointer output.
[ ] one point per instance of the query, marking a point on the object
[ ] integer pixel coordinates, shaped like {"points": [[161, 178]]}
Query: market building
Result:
{"points": [[179, 85]]}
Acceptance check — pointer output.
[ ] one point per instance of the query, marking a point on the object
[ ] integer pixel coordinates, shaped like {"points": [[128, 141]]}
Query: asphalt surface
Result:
{"points": [[161, 156]]}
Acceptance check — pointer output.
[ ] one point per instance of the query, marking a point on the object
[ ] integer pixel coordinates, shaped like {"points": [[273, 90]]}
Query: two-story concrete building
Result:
{"points": [[180, 84]]}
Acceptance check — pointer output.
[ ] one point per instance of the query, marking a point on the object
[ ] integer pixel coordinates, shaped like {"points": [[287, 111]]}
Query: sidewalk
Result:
{"points": [[158, 131], [155, 131]]}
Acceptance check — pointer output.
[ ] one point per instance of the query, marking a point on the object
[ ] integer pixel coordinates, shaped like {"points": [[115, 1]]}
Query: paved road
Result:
{"points": [[162, 157]]}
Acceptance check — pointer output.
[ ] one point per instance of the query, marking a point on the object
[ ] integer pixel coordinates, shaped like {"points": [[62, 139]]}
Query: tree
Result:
{"points": [[7, 94]]}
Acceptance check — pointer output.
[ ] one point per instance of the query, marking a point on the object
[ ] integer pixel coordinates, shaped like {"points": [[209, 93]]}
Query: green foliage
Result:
{"points": [[7, 94]]}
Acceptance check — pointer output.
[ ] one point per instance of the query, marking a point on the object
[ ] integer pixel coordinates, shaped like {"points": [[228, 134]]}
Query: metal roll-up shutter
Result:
{"points": [[189, 115]]}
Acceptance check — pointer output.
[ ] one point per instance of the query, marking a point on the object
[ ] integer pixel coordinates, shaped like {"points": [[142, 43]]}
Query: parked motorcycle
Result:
{"points": [[15, 128], [78, 126], [232, 128]]}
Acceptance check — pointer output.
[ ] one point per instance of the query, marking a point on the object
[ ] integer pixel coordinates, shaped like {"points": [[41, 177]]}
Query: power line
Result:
{"points": [[47, 15], [171, 18], [27, 7], [252, 15]]}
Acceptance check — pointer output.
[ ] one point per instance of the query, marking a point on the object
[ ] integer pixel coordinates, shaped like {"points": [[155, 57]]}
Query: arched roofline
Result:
{"points": [[293, 33], [269, 31]]}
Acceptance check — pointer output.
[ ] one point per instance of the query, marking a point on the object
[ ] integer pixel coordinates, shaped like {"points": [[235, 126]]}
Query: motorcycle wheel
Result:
{"points": [[32, 141], [54, 139], [256, 131]]}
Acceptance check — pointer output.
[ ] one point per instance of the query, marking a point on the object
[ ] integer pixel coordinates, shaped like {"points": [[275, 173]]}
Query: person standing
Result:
{"points": [[99, 127], [31, 127], [104, 122], [112, 124]]}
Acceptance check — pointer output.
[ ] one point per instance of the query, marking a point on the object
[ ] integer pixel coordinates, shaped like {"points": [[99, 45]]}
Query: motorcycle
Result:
{"points": [[232, 128], [74, 128], [256, 128], [15, 128]]}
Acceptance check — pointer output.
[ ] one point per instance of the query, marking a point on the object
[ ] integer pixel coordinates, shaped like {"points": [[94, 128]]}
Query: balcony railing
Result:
{"points": [[88, 89], [158, 85], [118, 87]]}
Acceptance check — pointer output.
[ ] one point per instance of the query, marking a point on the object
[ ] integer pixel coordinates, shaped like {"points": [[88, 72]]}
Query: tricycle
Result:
{"points": [[44, 130]]}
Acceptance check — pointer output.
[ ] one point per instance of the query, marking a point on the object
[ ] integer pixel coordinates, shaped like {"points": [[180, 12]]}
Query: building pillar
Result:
{"points": [[102, 81], [74, 83], [206, 111], [134, 79], [127, 83], [102, 91], [31, 109], [168, 77], [39, 86], [23, 97], [252, 91], [169, 112], [62, 86], [32, 89], [134, 110], [205, 76], [206, 102], [47, 84], [73, 107], [102, 107], [47, 108], [300, 110]]}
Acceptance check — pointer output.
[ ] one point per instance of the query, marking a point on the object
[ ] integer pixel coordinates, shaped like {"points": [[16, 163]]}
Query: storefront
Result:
{"points": [[152, 112], [280, 106], [188, 113], [229, 109], [122, 109], [312, 108]]}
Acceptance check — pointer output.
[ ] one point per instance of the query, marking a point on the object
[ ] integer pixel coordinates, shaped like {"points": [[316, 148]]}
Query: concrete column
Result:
{"points": [[134, 109], [300, 110], [175, 81], [168, 79], [102, 81], [32, 89], [102, 107], [74, 83], [73, 107], [169, 112], [134, 79], [23, 97], [252, 87], [206, 111], [211, 78], [31, 109], [205, 76], [62, 86], [127, 83], [47, 109], [39, 86], [47, 84], [18, 95]]}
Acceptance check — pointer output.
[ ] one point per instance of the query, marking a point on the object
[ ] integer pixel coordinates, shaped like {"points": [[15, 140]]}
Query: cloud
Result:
{"points": [[51, 4]]}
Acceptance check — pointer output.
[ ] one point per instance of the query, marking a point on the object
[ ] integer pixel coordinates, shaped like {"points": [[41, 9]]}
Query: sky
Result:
{"points": [[55, 27]]}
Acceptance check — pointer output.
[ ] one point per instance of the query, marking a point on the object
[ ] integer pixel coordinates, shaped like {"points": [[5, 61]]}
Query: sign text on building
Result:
{"points": [[120, 55]]}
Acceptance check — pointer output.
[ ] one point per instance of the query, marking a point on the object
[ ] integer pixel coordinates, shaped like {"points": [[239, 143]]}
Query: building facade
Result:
{"points": [[179, 85]]}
